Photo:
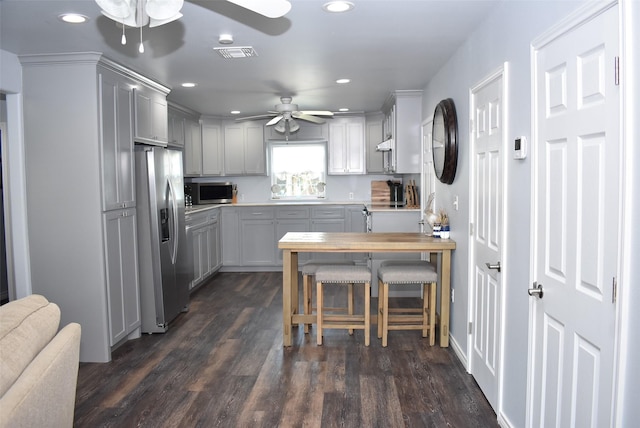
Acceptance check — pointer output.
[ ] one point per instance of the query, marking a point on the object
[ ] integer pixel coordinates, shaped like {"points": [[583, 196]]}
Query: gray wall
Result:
{"points": [[505, 36]]}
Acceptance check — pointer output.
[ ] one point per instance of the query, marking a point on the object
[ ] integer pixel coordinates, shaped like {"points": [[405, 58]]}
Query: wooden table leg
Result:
{"points": [[289, 283], [445, 298], [286, 298]]}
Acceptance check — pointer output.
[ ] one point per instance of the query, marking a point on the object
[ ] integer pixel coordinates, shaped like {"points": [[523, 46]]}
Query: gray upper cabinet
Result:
{"points": [[151, 119], [192, 153], [176, 126], [212, 149], [403, 117], [346, 146], [244, 149], [375, 162], [116, 141]]}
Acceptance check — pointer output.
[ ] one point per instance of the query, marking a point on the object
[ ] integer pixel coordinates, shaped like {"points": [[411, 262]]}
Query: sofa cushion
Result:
{"points": [[27, 325]]}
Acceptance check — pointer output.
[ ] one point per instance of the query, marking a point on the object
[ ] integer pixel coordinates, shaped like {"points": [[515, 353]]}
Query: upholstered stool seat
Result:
{"points": [[404, 272], [308, 272], [343, 275]]}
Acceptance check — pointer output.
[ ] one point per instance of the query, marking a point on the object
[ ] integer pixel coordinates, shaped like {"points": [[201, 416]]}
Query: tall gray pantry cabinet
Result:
{"points": [[81, 207]]}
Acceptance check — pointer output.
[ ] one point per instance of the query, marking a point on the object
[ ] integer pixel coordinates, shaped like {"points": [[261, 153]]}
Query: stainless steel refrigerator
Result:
{"points": [[165, 268]]}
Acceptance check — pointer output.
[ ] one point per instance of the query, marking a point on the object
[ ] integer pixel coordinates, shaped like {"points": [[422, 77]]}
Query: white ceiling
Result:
{"points": [[381, 45]]}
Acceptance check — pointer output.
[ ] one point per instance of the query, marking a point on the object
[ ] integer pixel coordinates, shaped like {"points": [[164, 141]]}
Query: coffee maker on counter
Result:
{"points": [[396, 193]]}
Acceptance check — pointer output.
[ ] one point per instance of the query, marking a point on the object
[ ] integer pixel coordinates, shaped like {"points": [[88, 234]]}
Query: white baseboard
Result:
{"points": [[462, 356]]}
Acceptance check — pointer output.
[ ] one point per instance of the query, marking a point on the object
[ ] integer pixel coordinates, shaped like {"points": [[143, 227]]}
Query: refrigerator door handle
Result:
{"points": [[174, 221]]}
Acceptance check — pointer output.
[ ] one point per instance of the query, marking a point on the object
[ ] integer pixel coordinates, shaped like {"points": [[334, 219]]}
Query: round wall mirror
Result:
{"points": [[444, 141]]}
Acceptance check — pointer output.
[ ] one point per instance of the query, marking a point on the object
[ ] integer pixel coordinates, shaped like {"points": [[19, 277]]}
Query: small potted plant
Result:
{"points": [[444, 225]]}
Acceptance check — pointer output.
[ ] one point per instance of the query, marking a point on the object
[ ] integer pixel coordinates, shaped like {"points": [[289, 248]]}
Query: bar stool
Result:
{"points": [[344, 275], [308, 272], [402, 272]]}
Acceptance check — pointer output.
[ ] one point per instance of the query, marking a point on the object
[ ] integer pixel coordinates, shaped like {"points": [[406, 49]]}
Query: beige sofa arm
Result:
{"points": [[44, 395]]}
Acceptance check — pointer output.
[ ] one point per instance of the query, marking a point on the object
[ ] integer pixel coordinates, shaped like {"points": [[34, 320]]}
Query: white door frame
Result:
{"points": [[425, 138], [575, 19], [500, 72]]}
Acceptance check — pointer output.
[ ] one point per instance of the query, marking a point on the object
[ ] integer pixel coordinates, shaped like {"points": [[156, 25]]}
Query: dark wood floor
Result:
{"points": [[223, 364]]}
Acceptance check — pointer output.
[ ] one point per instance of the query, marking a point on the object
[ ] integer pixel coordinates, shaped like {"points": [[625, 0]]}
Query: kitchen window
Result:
{"points": [[298, 170]]}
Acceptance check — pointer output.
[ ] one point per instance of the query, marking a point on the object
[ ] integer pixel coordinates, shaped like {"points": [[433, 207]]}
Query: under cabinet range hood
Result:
{"points": [[385, 146]]}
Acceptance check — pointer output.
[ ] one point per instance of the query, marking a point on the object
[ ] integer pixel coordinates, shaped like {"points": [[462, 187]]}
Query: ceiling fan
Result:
{"points": [[268, 8], [138, 13], [285, 113]]}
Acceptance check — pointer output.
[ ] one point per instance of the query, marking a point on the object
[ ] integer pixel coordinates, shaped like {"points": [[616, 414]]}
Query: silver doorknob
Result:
{"points": [[536, 290], [495, 266]]}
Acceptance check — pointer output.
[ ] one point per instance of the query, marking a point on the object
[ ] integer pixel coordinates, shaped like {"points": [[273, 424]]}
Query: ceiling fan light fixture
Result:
{"points": [[338, 6], [138, 13], [280, 127]]}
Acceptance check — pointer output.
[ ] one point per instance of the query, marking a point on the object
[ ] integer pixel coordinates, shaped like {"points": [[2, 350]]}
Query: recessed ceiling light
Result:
{"points": [[188, 85], [73, 18], [343, 109], [338, 6], [343, 80], [235, 111]]}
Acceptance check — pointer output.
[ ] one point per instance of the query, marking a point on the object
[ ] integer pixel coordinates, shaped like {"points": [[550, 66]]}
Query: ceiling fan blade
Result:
{"points": [[260, 116], [307, 117], [317, 112], [268, 8], [274, 120]]}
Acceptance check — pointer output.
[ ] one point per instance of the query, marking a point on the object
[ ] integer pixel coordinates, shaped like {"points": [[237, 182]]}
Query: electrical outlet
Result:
{"points": [[242, 196], [453, 295], [351, 196]]}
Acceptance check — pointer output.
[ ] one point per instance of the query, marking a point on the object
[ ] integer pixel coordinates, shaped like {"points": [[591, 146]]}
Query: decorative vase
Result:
{"points": [[444, 232], [436, 230]]}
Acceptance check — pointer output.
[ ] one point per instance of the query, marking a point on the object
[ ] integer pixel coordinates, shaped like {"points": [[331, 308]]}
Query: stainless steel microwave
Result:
{"points": [[210, 193]]}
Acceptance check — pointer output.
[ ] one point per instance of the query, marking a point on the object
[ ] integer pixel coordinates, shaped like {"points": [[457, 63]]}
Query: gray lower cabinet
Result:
{"points": [[328, 219], [258, 236], [230, 236], [291, 219], [250, 234], [394, 221], [123, 291], [355, 222], [203, 233]]}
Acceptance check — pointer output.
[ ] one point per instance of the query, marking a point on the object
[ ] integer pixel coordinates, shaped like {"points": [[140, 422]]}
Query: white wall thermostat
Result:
{"points": [[520, 148]]}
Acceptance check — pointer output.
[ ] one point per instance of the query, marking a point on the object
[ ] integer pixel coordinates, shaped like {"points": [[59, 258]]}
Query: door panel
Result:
{"points": [[488, 137], [575, 236]]}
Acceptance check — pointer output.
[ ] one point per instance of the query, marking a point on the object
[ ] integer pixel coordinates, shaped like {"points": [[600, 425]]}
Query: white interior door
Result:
{"points": [[428, 181], [576, 183], [488, 117]]}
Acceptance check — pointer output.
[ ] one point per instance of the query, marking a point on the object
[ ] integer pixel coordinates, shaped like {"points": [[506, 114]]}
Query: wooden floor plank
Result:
{"points": [[222, 363]]}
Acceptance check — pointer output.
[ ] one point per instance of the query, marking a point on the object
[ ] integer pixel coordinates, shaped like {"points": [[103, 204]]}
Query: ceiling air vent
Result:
{"points": [[236, 52]]}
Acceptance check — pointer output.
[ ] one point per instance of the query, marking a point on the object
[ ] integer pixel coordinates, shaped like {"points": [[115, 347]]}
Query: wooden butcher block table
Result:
{"points": [[293, 243]]}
